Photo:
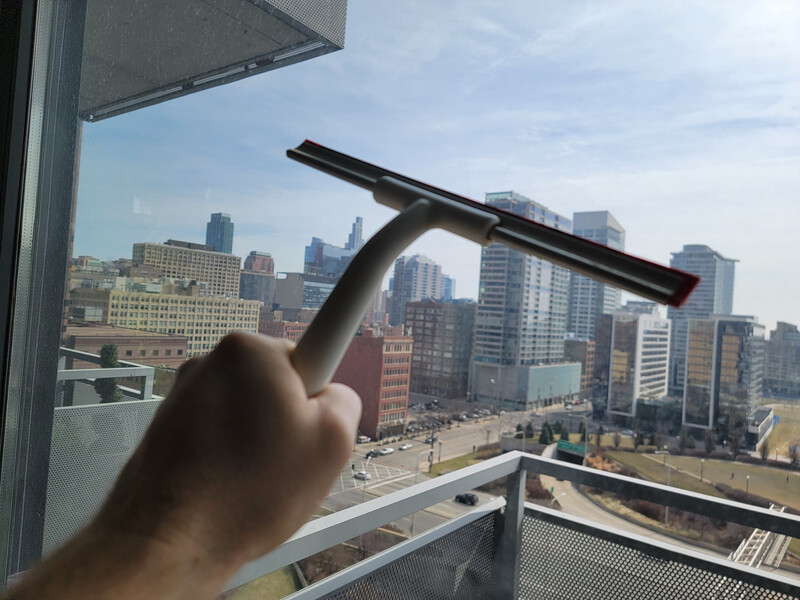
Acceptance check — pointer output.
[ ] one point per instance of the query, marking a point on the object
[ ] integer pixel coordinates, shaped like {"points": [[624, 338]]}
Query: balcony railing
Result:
{"points": [[505, 548]]}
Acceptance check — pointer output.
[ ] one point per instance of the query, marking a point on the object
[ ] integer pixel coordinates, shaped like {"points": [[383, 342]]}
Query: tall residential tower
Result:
{"points": [[219, 233], [713, 296], [588, 297], [521, 318], [415, 278]]}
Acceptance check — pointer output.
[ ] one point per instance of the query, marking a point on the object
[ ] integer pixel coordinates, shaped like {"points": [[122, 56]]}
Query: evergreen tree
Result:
{"points": [[565, 435], [529, 430], [107, 389], [599, 435]]}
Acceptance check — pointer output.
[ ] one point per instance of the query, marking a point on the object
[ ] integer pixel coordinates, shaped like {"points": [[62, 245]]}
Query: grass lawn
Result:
{"points": [[787, 430], [454, 464], [273, 586], [656, 471], [764, 481]]}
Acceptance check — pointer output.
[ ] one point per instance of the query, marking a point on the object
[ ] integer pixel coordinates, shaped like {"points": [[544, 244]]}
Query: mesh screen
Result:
{"points": [[558, 562], [326, 17], [457, 566], [90, 445]]}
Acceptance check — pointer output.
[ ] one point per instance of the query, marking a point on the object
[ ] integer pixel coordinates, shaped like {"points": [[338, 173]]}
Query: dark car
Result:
{"points": [[430, 439], [373, 454], [470, 499]]}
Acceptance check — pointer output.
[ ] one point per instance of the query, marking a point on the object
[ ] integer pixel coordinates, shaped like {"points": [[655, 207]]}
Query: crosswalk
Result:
{"points": [[380, 474]]}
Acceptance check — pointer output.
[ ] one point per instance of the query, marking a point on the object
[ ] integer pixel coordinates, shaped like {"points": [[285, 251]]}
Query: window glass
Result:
{"points": [[655, 130]]}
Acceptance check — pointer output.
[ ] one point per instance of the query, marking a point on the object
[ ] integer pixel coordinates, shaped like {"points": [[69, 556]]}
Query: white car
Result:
{"points": [[362, 475], [405, 446], [386, 451]]}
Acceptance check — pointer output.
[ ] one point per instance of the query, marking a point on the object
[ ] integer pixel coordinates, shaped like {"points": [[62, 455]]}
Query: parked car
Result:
{"points": [[362, 475], [373, 454], [363, 439], [405, 446], [386, 451], [430, 439], [470, 499]]}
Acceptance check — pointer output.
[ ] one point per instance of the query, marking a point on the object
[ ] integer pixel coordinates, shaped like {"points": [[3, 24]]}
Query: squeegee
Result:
{"points": [[423, 207]]}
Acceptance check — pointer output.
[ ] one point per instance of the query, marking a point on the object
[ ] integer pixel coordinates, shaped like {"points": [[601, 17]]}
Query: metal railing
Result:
{"points": [[522, 561]]}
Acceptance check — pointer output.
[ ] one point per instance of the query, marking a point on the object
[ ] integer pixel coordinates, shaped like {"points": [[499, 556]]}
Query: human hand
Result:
{"points": [[236, 459]]}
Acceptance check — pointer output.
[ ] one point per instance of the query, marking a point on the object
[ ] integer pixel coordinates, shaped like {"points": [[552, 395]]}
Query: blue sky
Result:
{"points": [[681, 118]]}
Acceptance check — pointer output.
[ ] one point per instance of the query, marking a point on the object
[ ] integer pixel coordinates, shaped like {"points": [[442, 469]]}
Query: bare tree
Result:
{"points": [[683, 440], [794, 450], [735, 443], [764, 450], [709, 442]]}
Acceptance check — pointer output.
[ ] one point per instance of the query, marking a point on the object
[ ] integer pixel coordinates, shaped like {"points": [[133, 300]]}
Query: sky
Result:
{"points": [[681, 118]]}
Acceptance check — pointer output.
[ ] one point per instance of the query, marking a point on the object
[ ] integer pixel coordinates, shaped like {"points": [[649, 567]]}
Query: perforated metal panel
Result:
{"points": [[326, 17], [457, 566], [559, 563], [90, 446]]}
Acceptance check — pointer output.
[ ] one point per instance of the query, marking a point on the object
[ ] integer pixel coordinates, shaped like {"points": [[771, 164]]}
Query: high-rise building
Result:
{"points": [[219, 233], [190, 261], [327, 260], [713, 296], [724, 373], [448, 288], [257, 279], [442, 335], [377, 367], [415, 278], [635, 357], [355, 240], [582, 351], [782, 373], [521, 318], [259, 262], [296, 291], [588, 297]]}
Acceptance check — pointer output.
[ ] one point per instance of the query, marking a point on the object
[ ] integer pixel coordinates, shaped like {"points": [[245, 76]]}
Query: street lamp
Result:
{"points": [[702, 462], [416, 474], [667, 456], [747, 485]]}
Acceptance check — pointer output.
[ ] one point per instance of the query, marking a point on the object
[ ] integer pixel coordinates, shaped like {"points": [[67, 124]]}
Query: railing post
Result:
{"points": [[147, 386], [506, 564]]}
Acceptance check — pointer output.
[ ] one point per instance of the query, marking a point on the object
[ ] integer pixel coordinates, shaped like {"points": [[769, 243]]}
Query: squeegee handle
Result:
{"points": [[323, 345]]}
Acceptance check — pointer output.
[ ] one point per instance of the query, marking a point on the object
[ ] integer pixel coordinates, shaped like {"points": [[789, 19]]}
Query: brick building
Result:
{"points": [[289, 330], [378, 369], [143, 347]]}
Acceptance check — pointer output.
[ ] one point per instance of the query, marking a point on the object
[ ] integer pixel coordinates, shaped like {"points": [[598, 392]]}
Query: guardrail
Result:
{"points": [[506, 576]]}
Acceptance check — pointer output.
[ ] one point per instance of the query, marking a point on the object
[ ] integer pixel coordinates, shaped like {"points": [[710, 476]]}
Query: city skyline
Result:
{"points": [[680, 120]]}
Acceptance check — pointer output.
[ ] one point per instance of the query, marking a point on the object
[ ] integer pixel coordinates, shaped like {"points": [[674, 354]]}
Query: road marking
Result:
{"points": [[377, 485]]}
